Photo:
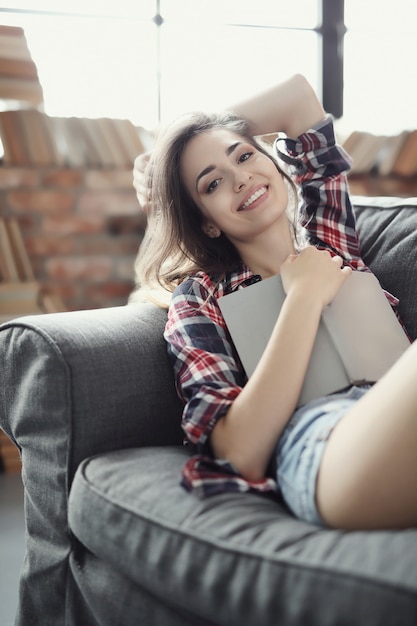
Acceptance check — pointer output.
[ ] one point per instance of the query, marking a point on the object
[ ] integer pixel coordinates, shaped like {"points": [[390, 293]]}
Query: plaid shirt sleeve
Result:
{"points": [[319, 167], [207, 375], [208, 380]]}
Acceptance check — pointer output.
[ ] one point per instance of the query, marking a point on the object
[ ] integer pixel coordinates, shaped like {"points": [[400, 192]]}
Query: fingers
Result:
{"points": [[345, 269], [315, 271], [141, 161], [142, 177]]}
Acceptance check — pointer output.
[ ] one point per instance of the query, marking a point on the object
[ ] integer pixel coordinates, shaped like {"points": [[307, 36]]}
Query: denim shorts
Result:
{"points": [[301, 446]]}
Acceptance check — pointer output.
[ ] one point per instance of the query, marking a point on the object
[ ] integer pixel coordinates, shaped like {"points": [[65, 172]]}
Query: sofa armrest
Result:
{"points": [[81, 383], [73, 385]]}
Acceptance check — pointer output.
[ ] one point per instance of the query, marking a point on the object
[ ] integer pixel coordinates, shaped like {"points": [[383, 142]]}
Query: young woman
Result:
{"points": [[220, 221]]}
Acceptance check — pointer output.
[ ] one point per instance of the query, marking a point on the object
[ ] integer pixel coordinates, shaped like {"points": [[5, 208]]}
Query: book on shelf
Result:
{"points": [[129, 136], [13, 43], [22, 265], [86, 136], [406, 162], [39, 144], [57, 150], [58, 129], [390, 152], [364, 148], [120, 154], [20, 293], [383, 154], [13, 139], [31, 138], [67, 127], [8, 266], [97, 134], [19, 81], [51, 302], [18, 68], [19, 298]]}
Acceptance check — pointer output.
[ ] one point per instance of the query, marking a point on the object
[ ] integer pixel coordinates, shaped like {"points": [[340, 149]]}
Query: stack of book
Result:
{"points": [[19, 81], [384, 155], [20, 293], [32, 138]]}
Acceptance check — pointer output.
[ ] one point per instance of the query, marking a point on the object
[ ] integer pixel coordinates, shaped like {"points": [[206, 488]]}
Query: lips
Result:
{"points": [[254, 196]]}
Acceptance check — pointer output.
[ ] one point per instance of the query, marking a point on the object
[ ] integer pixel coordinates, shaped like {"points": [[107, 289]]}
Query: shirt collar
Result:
{"points": [[240, 278]]}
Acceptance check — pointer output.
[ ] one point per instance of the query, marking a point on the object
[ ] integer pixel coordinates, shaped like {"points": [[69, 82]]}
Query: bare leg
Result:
{"points": [[368, 474]]}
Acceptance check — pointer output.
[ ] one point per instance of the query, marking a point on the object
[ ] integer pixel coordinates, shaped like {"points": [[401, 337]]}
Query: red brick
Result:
{"points": [[82, 230], [124, 224], [109, 179], [29, 223], [45, 246], [62, 178], [72, 225], [70, 293], [108, 203], [91, 268], [40, 200], [108, 294], [125, 269], [127, 245], [11, 178]]}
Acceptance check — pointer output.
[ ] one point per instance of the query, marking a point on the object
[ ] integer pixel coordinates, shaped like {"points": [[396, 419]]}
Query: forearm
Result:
{"points": [[291, 107], [248, 433]]}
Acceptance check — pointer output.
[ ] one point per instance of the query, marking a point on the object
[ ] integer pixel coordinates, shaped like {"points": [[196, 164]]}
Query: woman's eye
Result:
{"points": [[213, 185], [245, 156]]}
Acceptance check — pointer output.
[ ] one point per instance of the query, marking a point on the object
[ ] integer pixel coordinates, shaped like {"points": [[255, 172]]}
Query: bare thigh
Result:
{"points": [[367, 477]]}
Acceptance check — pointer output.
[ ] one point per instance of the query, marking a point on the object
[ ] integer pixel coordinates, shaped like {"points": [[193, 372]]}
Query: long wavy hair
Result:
{"points": [[175, 243]]}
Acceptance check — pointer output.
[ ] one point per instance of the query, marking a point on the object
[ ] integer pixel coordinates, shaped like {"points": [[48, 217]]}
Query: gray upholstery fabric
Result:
{"points": [[94, 390], [388, 235], [77, 384], [235, 559]]}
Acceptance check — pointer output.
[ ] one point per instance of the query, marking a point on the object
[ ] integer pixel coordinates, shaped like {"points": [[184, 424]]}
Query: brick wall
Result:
{"points": [[82, 230]]}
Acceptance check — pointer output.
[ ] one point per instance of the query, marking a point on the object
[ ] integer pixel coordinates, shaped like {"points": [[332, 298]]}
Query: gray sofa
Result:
{"points": [[112, 539]]}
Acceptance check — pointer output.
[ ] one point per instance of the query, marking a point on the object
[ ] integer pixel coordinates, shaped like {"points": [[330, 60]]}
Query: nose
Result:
{"points": [[241, 178]]}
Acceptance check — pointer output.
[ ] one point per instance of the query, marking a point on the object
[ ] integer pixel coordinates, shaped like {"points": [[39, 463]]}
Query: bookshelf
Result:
{"points": [[20, 294], [376, 185], [31, 138], [19, 80], [383, 165]]}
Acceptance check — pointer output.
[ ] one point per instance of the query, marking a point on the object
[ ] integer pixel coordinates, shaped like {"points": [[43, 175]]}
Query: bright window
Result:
{"points": [[380, 60], [151, 59], [118, 59]]}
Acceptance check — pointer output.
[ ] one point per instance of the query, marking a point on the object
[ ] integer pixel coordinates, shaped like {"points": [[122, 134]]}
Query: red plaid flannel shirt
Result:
{"points": [[208, 373]]}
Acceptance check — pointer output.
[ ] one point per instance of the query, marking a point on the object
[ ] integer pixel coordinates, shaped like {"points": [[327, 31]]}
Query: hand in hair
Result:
{"points": [[142, 179]]}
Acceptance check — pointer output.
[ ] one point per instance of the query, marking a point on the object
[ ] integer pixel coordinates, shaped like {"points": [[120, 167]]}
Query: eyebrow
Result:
{"points": [[229, 150]]}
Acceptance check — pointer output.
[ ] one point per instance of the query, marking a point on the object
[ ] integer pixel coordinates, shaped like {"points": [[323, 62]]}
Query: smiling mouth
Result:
{"points": [[257, 194]]}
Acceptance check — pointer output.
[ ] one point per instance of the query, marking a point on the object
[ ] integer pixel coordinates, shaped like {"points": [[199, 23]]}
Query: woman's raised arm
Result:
{"points": [[291, 107]]}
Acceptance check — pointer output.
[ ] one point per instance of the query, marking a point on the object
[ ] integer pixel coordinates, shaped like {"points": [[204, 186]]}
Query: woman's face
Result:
{"points": [[238, 189]]}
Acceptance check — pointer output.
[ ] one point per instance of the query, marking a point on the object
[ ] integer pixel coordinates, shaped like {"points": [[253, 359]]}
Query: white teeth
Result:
{"points": [[253, 197]]}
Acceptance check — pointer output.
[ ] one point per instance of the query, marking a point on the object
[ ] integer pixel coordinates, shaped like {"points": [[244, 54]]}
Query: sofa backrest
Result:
{"points": [[388, 236]]}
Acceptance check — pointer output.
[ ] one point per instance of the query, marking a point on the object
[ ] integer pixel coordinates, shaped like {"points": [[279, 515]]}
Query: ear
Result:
{"points": [[211, 230]]}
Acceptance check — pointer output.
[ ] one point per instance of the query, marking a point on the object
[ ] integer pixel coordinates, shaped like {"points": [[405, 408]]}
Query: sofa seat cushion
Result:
{"points": [[236, 559]]}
